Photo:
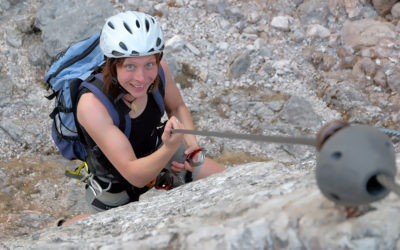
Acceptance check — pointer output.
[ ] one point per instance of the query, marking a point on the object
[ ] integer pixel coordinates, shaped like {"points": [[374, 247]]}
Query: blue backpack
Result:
{"points": [[66, 76]]}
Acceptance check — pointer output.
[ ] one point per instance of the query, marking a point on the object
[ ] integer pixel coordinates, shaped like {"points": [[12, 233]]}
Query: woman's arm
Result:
{"points": [[94, 117], [175, 106]]}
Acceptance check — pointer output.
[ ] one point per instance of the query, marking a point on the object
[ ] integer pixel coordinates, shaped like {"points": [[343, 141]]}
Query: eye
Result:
{"points": [[129, 66], [149, 65]]}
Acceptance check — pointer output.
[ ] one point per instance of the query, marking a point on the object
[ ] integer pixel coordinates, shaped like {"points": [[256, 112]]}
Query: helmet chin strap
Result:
{"points": [[114, 80], [123, 93]]}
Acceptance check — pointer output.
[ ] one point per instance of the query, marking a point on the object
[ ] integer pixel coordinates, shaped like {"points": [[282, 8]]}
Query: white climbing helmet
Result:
{"points": [[130, 34]]}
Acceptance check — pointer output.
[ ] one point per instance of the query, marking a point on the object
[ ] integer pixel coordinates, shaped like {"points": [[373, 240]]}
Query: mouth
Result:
{"points": [[137, 86]]}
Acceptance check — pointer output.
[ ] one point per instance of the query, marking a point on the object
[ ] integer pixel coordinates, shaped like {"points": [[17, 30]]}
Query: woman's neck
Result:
{"points": [[136, 105]]}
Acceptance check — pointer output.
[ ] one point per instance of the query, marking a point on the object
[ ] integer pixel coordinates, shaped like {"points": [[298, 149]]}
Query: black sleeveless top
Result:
{"points": [[144, 136]]}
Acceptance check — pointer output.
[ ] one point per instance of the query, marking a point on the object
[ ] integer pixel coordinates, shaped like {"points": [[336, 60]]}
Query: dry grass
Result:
{"points": [[172, 4], [238, 158], [22, 177], [277, 97], [186, 76]]}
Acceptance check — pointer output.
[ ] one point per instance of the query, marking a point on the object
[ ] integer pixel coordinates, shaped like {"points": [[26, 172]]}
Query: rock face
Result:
{"points": [[58, 32], [254, 206], [259, 67]]}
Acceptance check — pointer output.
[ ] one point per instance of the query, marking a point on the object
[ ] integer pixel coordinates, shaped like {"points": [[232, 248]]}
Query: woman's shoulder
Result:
{"points": [[167, 72], [88, 98], [164, 65], [91, 109]]}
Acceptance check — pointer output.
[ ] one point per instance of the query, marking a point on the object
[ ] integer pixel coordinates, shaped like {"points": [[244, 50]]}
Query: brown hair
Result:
{"points": [[111, 88]]}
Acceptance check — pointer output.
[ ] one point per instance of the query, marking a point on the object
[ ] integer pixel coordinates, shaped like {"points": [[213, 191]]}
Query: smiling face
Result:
{"points": [[136, 74]]}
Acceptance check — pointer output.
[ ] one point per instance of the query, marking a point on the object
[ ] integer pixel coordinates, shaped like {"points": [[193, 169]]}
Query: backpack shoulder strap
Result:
{"points": [[159, 93], [92, 84]]}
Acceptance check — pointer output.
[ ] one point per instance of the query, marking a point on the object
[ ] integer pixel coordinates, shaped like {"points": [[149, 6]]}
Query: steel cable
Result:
{"points": [[388, 183], [383, 179], [390, 132]]}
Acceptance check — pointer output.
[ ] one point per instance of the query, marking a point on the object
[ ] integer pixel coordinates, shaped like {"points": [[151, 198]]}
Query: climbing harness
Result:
{"points": [[355, 166], [163, 181]]}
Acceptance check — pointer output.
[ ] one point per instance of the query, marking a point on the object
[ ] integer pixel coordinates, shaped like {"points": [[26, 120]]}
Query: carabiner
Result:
{"points": [[77, 173], [197, 157]]}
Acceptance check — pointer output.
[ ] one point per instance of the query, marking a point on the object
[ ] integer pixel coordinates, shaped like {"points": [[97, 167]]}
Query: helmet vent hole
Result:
{"points": [[336, 155], [151, 50], [110, 25], [134, 53], [147, 25], [127, 27], [158, 42], [123, 46], [116, 53], [137, 24], [374, 187], [334, 196], [152, 19]]}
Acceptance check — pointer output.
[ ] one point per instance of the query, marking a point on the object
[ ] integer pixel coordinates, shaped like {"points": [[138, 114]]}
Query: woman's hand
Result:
{"points": [[172, 139], [178, 167]]}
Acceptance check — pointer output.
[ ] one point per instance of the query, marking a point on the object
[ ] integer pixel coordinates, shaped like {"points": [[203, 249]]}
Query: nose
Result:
{"points": [[139, 76]]}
